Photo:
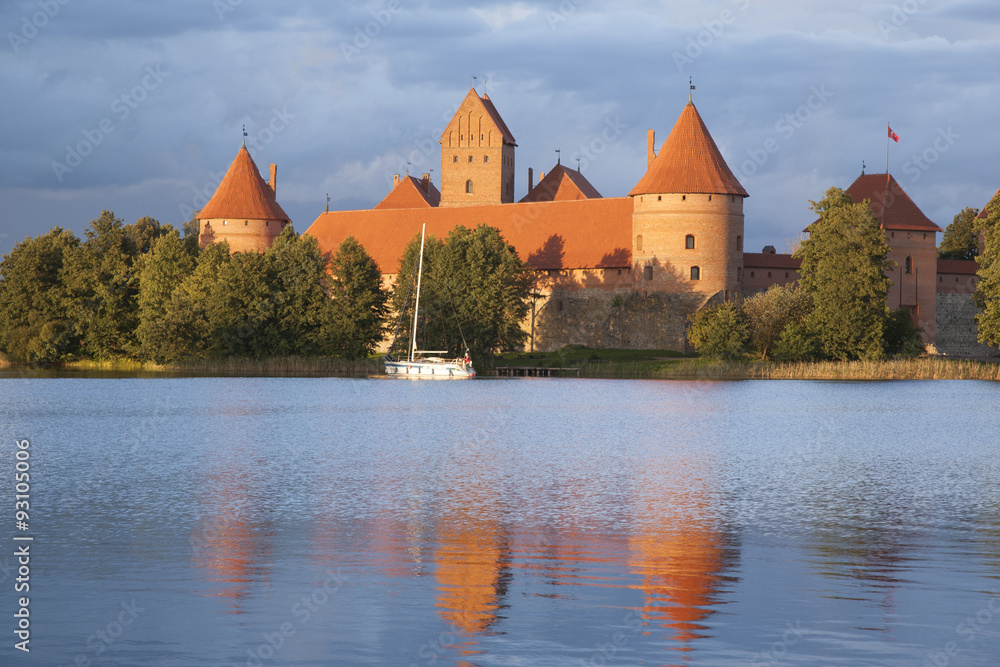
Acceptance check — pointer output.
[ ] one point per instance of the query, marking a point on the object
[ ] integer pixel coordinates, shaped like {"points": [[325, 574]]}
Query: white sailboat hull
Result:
{"points": [[430, 369]]}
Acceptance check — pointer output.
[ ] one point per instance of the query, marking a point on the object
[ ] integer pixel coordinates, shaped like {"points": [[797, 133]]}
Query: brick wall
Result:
{"points": [[242, 235], [956, 327]]}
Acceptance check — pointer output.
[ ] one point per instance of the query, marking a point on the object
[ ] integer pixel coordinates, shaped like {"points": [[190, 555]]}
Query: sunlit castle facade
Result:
{"points": [[609, 271]]}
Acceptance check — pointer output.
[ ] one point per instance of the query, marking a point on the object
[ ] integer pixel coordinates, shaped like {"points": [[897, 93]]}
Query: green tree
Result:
{"points": [[844, 265], [474, 287], [719, 332], [103, 283], [34, 326], [770, 312], [359, 302], [960, 239], [163, 271], [902, 336], [987, 295]]}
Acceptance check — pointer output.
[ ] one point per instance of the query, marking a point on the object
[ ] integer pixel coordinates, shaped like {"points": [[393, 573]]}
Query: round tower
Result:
{"points": [[687, 224], [244, 210]]}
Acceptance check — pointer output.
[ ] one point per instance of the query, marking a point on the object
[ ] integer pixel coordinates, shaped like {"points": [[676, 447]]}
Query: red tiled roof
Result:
{"points": [[595, 233], [243, 194], [410, 194], [562, 184], [689, 162], [766, 260], [965, 267], [900, 211], [986, 209]]}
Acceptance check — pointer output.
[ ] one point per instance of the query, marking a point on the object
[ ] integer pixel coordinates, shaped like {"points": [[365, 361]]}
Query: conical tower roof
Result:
{"points": [[689, 162], [243, 194]]}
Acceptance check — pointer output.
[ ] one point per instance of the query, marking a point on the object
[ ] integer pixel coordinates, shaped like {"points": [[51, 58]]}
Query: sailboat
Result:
{"points": [[426, 364]]}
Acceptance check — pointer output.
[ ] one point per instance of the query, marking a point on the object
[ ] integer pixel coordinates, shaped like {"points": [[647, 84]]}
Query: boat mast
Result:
{"points": [[416, 307]]}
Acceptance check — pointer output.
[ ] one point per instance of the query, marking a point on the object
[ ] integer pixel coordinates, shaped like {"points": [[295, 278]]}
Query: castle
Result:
{"points": [[620, 272]]}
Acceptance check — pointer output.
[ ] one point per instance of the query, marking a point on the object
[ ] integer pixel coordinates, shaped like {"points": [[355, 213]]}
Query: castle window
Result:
{"points": [[638, 242], [908, 264], [246, 222], [695, 273], [267, 223], [659, 197], [739, 274], [684, 197], [739, 243], [786, 275], [768, 274], [225, 222], [709, 197], [470, 158], [559, 305], [648, 272], [456, 159], [486, 159], [468, 187], [751, 274], [689, 242]]}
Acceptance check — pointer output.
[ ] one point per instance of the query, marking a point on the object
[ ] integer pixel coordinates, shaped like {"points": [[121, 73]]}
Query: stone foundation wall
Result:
{"points": [[617, 318], [956, 327]]}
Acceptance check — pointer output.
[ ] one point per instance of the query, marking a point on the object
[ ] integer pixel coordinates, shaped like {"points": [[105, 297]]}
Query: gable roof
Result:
{"points": [[562, 184], [582, 234], [473, 102], [243, 194], [986, 209], [689, 162], [409, 193], [900, 211]]}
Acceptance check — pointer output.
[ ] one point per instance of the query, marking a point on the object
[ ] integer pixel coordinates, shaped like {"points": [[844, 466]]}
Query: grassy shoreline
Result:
{"points": [[596, 364]]}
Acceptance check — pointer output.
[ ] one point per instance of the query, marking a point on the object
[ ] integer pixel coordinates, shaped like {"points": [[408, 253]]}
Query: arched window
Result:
{"points": [[470, 158], [739, 244], [456, 159], [638, 242], [648, 272], [468, 187], [908, 264], [695, 273], [689, 242], [486, 159]]}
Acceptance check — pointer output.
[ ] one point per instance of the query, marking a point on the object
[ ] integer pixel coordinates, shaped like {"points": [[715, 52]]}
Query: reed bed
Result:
{"points": [[280, 366], [929, 368]]}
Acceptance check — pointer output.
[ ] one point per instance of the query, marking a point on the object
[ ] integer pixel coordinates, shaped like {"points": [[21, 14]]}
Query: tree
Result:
{"points": [[34, 325], [719, 332], [163, 270], [359, 302], [769, 312], [987, 295], [474, 287], [961, 240], [844, 265], [103, 283]]}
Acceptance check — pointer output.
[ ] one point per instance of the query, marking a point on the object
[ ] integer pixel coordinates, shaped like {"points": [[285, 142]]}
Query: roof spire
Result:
{"points": [[558, 156], [244, 136], [691, 86], [862, 167], [474, 79], [327, 202]]}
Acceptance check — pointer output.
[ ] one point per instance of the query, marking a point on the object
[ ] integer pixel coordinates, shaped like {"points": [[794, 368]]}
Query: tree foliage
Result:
{"points": [[770, 312], [844, 265], [987, 295], [474, 286], [163, 270], [360, 303], [720, 332], [961, 237]]}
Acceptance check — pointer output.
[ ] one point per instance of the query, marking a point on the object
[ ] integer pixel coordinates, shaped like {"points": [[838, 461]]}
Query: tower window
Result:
{"points": [[684, 197], [659, 197], [689, 242], [470, 158], [908, 264], [695, 273], [246, 222], [739, 243], [456, 159], [486, 159], [638, 242], [709, 197], [225, 222], [468, 187], [648, 272], [739, 274]]}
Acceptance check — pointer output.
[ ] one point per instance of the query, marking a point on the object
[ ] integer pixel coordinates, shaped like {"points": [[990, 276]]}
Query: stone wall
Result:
{"points": [[617, 318], [956, 327]]}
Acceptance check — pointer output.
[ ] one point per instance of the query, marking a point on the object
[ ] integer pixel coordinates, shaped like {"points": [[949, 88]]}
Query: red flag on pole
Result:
{"points": [[893, 135]]}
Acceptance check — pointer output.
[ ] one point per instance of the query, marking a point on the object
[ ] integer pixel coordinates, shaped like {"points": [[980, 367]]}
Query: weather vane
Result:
{"points": [[691, 85], [407, 167], [327, 202], [862, 167], [578, 164], [244, 135], [558, 156]]}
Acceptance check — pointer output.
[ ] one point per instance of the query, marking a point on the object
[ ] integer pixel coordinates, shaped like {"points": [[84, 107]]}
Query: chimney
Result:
{"points": [[531, 179], [650, 141], [274, 179], [395, 180], [541, 177], [426, 181]]}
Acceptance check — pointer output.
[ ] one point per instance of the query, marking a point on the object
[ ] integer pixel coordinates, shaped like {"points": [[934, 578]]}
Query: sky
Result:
{"points": [[138, 106]]}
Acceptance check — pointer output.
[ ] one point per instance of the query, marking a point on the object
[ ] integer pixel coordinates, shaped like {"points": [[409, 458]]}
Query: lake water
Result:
{"points": [[321, 521]]}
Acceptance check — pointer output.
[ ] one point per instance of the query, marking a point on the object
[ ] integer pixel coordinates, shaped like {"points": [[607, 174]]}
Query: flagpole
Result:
{"points": [[887, 129]]}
